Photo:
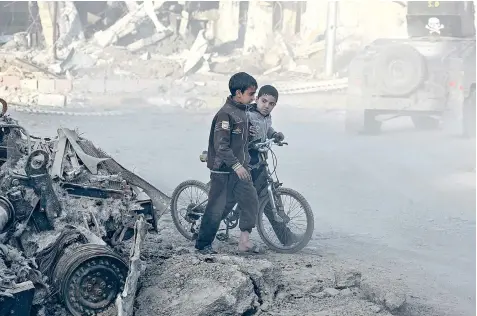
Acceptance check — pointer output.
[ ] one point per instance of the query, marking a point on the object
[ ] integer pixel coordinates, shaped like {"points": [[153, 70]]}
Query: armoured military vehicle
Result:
{"points": [[429, 76]]}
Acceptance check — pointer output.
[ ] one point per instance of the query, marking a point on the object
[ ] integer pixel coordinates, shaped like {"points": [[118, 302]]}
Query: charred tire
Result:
{"points": [[88, 278], [425, 122], [310, 223], [399, 70], [174, 207], [468, 116], [361, 122]]}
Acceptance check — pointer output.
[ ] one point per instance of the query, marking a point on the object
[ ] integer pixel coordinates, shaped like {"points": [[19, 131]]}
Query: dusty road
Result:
{"points": [[400, 206]]}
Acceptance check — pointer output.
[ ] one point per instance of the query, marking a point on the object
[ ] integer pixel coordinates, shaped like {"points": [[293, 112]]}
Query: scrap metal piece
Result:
{"points": [[36, 170], [89, 161], [57, 168], [160, 200], [19, 300], [125, 300]]}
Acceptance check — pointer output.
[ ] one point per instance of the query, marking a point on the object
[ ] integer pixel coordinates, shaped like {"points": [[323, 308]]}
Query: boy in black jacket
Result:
{"points": [[228, 159]]}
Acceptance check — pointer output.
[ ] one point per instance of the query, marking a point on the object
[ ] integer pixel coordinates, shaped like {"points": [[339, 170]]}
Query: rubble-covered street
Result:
{"points": [[118, 98], [393, 212]]}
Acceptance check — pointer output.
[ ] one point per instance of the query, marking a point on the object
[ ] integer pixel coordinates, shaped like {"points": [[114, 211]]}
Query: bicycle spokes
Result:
{"points": [[293, 225]]}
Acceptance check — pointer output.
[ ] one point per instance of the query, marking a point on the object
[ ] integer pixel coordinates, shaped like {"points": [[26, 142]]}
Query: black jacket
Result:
{"points": [[228, 139]]}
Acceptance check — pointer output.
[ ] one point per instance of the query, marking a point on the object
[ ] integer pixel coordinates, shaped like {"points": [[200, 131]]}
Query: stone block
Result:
{"points": [[53, 100], [63, 86], [46, 85], [29, 84]]}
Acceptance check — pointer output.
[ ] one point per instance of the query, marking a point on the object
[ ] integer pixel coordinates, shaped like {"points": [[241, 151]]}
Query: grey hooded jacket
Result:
{"points": [[263, 124]]}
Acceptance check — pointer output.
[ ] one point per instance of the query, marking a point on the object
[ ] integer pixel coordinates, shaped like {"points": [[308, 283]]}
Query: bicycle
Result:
{"points": [[271, 195]]}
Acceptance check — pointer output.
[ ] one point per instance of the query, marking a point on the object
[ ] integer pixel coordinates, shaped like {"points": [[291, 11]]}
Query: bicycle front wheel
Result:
{"points": [[286, 236], [188, 203]]}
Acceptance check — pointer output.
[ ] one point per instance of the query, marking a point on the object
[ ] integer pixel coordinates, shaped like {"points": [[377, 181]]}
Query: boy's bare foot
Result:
{"points": [[245, 246]]}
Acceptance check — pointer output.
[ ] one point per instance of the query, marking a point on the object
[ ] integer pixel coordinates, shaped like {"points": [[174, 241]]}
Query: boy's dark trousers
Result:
{"points": [[259, 178], [226, 187]]}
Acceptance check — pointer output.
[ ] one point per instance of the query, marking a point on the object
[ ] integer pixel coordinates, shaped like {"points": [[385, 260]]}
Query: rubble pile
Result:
{"points": [[127, 47], [178, 281]]}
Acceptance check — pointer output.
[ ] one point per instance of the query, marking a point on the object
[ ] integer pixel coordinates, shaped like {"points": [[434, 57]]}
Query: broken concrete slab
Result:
{"points": [[346, 279], [200, 285], [125, 25], [77, 60], [390, 296], [331, 291], [196, 52], [144, 42]]}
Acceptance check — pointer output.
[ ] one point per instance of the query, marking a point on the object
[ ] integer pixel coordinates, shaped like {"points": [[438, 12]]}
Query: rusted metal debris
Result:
{"points": [[65, 206]]}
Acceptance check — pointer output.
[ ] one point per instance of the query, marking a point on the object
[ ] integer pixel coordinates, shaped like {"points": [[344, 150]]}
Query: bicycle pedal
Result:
{"points": [[222, 237]]}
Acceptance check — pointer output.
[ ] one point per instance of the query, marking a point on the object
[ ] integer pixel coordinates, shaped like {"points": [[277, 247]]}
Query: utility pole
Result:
{"points": [[55, 30], [332, 17]]}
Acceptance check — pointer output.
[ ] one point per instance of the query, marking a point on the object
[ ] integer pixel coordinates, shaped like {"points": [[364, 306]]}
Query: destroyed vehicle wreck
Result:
{"points": [[66, 209]]}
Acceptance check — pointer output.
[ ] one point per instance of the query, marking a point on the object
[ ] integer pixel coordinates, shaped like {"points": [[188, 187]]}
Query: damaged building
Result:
{"points": [[151, 46], [66, 211]]}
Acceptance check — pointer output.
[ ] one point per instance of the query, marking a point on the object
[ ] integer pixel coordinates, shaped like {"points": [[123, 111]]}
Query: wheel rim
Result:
{"points": [[89, 279], [190, 198], [297, 223]]}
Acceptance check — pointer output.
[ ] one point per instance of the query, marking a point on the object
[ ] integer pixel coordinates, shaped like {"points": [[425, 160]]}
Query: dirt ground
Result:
{"points": [[399, 207]]}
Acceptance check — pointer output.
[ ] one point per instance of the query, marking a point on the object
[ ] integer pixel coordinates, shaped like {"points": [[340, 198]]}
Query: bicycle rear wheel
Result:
{"points": [[188, 203], [284, 237]]}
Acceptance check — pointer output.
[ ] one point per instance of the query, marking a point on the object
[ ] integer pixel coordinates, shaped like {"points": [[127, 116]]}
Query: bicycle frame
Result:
{"points": [[271, 186]]}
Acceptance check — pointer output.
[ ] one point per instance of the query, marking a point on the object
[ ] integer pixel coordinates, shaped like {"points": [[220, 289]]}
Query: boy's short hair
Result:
{"points": [[241, 81], [268, 90]]}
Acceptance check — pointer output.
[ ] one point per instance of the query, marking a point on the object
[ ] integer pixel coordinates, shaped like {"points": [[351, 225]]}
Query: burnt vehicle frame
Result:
{"points": [[426, 76], [79, 262]]}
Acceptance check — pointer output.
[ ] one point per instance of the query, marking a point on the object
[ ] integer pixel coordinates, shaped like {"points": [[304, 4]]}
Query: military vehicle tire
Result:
{"points": [[361, 122], [399, 70]]}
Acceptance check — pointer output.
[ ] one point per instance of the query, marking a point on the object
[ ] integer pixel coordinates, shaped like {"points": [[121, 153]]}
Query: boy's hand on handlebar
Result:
{"points": [[278, 137], [243, 174]]}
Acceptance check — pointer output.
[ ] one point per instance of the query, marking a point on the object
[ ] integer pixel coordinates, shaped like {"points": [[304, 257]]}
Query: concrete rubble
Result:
{"points": [[120, 49], [177, 281]]}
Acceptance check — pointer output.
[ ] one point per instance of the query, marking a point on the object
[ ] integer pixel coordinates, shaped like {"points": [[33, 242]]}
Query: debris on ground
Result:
{"points": [[68, 215], [178, 281], [153, 41]]}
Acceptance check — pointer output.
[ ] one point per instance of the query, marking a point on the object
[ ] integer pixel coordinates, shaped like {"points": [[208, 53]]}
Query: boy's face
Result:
{"points": [[247, 96], [265, 104]]}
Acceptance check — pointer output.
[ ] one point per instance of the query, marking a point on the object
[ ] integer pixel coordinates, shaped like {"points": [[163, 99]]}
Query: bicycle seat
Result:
{"points": [[203, 156]]}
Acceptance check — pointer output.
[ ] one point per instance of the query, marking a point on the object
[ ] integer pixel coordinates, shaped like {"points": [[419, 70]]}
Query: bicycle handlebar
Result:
{"points": [[266, 145]]}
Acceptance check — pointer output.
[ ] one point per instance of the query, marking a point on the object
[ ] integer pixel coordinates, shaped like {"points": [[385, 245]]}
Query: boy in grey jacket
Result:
{"points": [[261, 121]]}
